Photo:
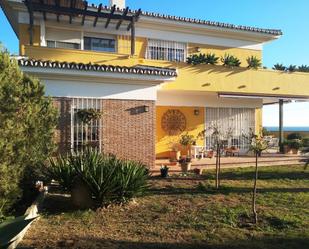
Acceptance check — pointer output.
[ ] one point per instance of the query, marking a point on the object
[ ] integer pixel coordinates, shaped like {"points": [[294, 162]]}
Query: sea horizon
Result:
{"points": [[288, 128]]}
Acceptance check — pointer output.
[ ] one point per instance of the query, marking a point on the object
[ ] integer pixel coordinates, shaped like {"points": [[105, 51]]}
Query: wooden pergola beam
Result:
{"points": [[57, 3], [44, 13], [60, 10], [133, 37], [135, 17], [121, 20], [30, 10], [96, 18], [84, 12], [72, 5], [111, 14]]}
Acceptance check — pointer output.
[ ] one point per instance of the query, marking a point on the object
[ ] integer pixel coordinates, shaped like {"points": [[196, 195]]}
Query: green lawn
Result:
{"points": [[186, 212]]}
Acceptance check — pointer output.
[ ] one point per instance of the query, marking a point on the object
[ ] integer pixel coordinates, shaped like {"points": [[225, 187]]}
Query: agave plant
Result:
{"points": [[230, 61], [196, 59], [279, 67], [10, 229], [303, 68], [254, 62], [211, 59], [202, 59], [108, 178], [291, 68], [62, 171]]}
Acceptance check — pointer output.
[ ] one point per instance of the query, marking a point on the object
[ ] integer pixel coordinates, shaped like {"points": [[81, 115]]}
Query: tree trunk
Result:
{"points": [[254, 189], [217, 168]]}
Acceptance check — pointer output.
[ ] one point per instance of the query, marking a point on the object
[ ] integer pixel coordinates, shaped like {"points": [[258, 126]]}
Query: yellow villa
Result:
{"points": [[131, 66]]}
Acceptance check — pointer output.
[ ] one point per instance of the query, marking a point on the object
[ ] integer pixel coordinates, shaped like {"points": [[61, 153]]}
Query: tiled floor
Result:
{"points": [[268, 159]]}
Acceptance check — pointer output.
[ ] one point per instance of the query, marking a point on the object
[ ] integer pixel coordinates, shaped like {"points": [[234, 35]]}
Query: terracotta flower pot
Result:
{"points": [[185, 167]]}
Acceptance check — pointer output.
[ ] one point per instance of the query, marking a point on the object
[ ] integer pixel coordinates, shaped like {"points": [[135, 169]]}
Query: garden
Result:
{"points": [[186, 212]]}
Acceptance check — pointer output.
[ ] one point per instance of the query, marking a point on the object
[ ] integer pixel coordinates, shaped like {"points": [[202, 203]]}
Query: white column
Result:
{"points": [[42, 33], [82, 40]]}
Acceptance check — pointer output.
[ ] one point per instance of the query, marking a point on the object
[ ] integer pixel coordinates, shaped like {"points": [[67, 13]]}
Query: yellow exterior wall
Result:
{"points": [[258, 120], [219, 51], [200, 78], [194, 125], [24, 37]]}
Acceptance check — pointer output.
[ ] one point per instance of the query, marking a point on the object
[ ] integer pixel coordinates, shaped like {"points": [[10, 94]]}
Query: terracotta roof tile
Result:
{"points": [[198, 21], [140, 69]]}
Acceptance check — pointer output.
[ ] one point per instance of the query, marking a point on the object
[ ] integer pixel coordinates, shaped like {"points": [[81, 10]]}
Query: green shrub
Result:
{"points": [[279, 67], [293, 143], [62, 171], [303, 68], [305, 142], [230, 61], [294, 135], [202, 59], [27, 122], [291, 68], [254, 62], [108, 178]]}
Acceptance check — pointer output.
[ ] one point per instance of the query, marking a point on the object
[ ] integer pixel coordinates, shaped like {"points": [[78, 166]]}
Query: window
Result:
{"points": [[238, 120], [59, 44], [85, 135], [166, 50], [100, 44]]}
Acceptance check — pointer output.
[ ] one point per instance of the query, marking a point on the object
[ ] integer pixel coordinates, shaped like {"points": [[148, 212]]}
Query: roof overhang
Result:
{"points": [[267, 99], [98, 73]]}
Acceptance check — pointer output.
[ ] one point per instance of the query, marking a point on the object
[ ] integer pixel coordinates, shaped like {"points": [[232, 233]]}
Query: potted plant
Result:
{"points": [[185, 164], [293, 143], [187, 141], [164, 171], [175, 153]]}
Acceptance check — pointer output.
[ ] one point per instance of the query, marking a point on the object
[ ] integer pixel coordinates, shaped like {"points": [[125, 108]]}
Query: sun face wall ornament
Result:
{"points": [[173, 122]]}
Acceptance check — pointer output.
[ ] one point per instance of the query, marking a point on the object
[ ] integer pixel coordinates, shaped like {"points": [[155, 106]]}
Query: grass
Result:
{"points": [[187, 212]]}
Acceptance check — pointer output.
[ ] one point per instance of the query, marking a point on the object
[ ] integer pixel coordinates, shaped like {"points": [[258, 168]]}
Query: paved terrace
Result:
{"points": [[267, 159]]}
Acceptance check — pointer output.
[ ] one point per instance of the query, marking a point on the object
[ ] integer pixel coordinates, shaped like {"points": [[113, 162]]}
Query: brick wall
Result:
{"points": [[63, 130], [128, 131]]}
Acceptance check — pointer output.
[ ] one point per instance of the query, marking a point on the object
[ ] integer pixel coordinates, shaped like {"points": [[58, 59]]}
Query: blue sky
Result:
{"points": [[289, 16]]}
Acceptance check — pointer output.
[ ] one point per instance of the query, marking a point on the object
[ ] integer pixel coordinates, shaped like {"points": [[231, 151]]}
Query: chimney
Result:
{"points": [[121, 4]]}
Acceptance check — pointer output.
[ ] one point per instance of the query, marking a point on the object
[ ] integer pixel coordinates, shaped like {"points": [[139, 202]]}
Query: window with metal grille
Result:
{"points": [[59, 44], [238, 120], [166, 50], [85, 135], [100, 44]]}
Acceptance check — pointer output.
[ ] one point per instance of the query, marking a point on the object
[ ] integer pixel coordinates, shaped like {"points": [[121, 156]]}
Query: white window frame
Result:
{"points": [[100, 36], [94, 125], [239, 120], [162, 48]]}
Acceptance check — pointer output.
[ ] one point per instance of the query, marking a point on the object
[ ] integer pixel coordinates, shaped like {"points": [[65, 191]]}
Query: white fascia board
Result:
{"points": [[83, 89], [185, 27], [203, 99], [125, 78], [198, 39]]}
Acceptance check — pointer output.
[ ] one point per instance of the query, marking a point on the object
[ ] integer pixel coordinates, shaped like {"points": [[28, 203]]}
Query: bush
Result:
{"points": [[254, 62], [293, 143], [295, 135], [303, 68], [279, 67], [108, 178], [230, 61], [62, 171], [27, 121], [305, 142], [202, 59]]}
